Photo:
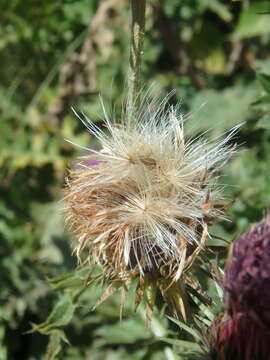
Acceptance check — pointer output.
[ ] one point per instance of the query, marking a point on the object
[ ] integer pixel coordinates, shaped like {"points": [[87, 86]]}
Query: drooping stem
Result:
{"points": [[135, 55]]}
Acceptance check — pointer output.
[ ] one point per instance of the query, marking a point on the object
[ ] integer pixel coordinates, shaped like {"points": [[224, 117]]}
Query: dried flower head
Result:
{"points": [[247, 282], [142, 203]]}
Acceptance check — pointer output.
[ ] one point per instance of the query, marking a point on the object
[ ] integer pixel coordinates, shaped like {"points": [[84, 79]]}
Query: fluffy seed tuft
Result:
{"points": [[142, 203]]}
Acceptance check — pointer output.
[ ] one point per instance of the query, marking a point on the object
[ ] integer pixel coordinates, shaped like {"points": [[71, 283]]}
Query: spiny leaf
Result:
{"points": [[61, 315], [54, 346], [265, 81], [107, 293], [191, 346], [187, 328], [62, 312]]}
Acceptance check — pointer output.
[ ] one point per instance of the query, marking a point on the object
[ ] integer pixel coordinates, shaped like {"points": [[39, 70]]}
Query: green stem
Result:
{"points": [[136, 48]]}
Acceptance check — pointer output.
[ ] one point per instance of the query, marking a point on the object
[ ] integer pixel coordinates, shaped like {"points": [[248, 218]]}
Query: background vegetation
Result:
{"points": [[58, 54]]}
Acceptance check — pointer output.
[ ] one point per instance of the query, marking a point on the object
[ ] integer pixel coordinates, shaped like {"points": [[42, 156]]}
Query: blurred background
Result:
{"points": [[58, 54]]}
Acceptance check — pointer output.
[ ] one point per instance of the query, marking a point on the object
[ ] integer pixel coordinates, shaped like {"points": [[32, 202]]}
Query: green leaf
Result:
{"points": [[263, 66], [208, 108], [55, 344], [61, 315], [217, 7], [187, 328], [263, 122], [188, 345], [62, 312], [265, 80], [75, 279], [265, 99], [127, 332], [220, 291], [251, 22]]}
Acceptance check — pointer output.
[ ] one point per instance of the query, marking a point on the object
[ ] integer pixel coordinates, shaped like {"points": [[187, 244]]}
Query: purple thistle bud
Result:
{"points": [[242, 332], [239, 337], [247, 282]]}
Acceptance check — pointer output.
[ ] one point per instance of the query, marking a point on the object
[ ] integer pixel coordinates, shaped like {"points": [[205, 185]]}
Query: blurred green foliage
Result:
{"points": [[55, 55]]}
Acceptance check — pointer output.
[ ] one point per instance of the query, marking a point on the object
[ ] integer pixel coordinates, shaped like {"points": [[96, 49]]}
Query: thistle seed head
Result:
{"points": [[142, 203]]}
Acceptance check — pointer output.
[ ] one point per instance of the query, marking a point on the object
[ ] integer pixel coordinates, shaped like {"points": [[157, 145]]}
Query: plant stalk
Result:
{"points": [[135, 56]]}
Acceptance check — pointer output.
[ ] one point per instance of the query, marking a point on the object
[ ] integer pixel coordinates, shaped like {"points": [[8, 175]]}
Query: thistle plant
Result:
{"points": [[141, 205]]}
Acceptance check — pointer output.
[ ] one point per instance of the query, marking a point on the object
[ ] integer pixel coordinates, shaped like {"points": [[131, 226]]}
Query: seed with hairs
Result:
{"points": [[141, 205]]}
